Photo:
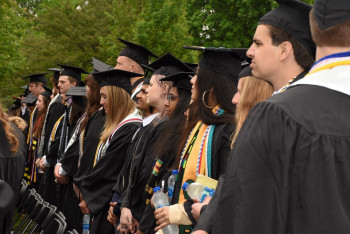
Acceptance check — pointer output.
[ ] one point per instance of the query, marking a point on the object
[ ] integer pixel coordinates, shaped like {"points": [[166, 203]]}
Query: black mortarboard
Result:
{"points": [[247, 71], [100, 66], [192, 65], [292, 16], [47, 93], [30, 99], [136, 52], [170, 63], [181, 80], [39, 77], [116, 77], [24, 87], [226, 61], [328, 13], [56, 72], [16, 103], [74, 72]]}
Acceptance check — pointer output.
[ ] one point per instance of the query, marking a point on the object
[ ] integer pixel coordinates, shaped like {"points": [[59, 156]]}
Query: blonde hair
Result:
{"points": [[9, 131], [19, 122], [120, 106], [253, 91]]}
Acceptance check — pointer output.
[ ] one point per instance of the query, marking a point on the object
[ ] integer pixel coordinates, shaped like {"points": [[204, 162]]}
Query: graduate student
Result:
{"points": [[295, 182], [130, 58], [12, 156], [122, 120], [205, 141], [133, 201]]}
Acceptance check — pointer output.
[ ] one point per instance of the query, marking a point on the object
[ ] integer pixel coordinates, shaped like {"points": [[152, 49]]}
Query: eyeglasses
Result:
{"points": [[172, 97]]}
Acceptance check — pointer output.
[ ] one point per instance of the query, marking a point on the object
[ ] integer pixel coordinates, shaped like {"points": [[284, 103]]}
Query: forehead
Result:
{"points": [[144, 86], [173, 90], [63, 78], [262, 32]]}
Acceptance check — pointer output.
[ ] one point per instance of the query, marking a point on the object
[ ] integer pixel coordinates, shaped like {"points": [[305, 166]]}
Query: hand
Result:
{"points": [[199, 232], [162, 217], [60, 179], [139, 232], [84, 207], [127, 222], [37, 162], [41, 164], [77, 192], [112, 218], [197, 206]]}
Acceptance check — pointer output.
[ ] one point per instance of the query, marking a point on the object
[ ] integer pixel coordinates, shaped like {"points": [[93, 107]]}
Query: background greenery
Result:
{"points": [[38, 34]]}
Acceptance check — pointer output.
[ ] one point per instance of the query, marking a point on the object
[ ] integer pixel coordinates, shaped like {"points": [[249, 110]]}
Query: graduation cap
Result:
{"points": [[47, 93], [30, 99], [330, 13], [74, 72], [116, 77], [181, 80], [16, 103], [76, 91], [170, 63], [24, 87], [247, 71], [56, 72], [100, 66], [192, 65], [292, 16], [226, 61], [136, 52], [38, 77]]}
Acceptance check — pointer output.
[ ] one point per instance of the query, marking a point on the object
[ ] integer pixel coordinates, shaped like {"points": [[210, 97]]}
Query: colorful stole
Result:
{"points": [[31, 122], [196, 155], [102, 147], [330, 61]]}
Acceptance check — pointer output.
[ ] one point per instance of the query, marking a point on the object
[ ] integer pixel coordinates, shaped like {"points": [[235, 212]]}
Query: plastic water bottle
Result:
{"points": [[207, 192], [171, 184], [193, 190], [160, 199], [86, 223]]}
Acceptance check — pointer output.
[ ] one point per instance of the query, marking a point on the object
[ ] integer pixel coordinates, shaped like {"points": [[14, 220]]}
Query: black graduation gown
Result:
{"points": [[141, 168], [11, 169], [93, 130], [25, 116], [289, 171], [53, 114], [96, 186]]}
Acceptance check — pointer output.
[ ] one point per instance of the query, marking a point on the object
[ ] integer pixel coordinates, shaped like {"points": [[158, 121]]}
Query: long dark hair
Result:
{"points": [[42, 115], [78, 108], [93, 98], [223, 89], [169, 138]]}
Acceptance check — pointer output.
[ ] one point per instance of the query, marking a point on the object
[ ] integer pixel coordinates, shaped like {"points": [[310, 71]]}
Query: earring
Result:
{"points": [[203, 99]]}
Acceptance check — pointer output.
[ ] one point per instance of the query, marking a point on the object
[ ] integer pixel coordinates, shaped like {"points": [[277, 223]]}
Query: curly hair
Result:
{"points": [[10, 132]]}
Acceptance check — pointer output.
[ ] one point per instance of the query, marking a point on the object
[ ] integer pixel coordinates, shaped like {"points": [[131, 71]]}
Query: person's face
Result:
{"points": [[142, 99], [154, 94], [264, 55], [35, 89], [123, 63], [194, 88], [104, 99], [40, 103], [64, 84], [171, 101], [236, 98]]}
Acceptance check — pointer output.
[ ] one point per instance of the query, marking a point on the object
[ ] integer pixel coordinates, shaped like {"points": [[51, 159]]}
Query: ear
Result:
{"points": [[286, 49], [132, 67]]}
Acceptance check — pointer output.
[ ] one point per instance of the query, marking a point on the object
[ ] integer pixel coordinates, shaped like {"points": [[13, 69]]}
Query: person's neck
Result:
{"points": [[285, 74], [323, 51]]}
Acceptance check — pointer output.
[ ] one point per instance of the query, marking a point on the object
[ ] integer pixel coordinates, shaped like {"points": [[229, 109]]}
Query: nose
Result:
{"points": [[250, 52], [235, 99]]}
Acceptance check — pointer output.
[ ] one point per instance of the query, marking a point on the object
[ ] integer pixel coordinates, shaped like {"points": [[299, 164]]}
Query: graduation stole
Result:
{"points": [[102, 147], [33, 149], [53, 132], [330, 61], [196, 155]]}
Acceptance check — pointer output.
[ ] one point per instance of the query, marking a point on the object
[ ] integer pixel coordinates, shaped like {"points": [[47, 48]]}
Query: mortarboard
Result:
{"points": [[192, 65], [76, 91], [170, 63], [116, 77], [226, 61], [30, 99], [74, 72], [292, 16], [247, 71], [136, 52], [56, 72], [181, 80], [329, 13], [100, 66], [39, 77]]}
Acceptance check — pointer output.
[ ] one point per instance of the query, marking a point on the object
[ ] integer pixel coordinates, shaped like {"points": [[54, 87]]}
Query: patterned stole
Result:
{"points": [[31, 123]]}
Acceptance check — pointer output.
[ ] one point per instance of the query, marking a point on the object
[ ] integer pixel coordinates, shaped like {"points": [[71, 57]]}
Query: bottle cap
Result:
{"points": [[175, 172], [184, 186], [206, 189], [156, 189]]}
